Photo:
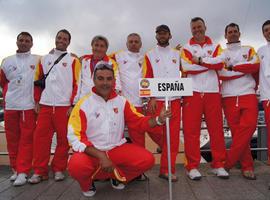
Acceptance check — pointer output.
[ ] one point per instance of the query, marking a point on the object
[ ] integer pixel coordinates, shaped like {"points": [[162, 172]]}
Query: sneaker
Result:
{"points": [[59, 176], [194, 174], [36, 178], [166, 177], [117, 184], [20, 180], [91, 192], [13, 177], [221, 173], [159, 150], [141, 177], [249, 174]]}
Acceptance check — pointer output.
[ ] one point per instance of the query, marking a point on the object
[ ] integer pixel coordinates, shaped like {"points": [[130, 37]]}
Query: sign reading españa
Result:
{"points": [[162, 87]]}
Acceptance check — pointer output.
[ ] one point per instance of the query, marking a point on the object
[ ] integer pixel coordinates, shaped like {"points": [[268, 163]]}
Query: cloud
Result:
{"points": [[116, 19]]}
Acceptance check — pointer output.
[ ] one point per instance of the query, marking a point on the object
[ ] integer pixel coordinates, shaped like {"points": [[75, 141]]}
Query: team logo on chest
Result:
{"points": [[12, 68], [157, 60], [64, 64], [174, 61], [209, 52], [115, 110], [32, 67], [244, 56], [125, 62]]}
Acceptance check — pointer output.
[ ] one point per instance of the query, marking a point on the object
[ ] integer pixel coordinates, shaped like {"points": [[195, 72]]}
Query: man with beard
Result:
{"points": [[264, 54], [238, 97], [54, 104], [206, 100], [164, 62], [99, 46], [16, 79]]}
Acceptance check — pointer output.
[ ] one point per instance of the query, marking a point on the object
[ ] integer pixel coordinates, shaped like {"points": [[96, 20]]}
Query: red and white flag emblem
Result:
{"points": [[115, 110]]}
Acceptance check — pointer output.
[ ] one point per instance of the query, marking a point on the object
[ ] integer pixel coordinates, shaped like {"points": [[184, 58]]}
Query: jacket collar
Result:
{"points": [[208, 41], [23, 54], [112, 95], [233, 46], [58, 52]]}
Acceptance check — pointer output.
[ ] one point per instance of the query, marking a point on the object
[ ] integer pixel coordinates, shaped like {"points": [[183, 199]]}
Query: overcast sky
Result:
{"points": [[115, 19]]}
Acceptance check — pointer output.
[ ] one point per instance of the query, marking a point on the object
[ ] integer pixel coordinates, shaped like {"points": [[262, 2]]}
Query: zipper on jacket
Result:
{"points": [[23, 116], [202, 94], [237, 101]]}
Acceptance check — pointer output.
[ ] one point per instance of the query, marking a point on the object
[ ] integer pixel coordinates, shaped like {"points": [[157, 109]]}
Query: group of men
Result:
{"points": [[88, 102]]}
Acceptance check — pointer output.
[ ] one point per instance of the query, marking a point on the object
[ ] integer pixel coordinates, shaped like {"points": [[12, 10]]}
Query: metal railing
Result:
{"points": [[261, 143]]}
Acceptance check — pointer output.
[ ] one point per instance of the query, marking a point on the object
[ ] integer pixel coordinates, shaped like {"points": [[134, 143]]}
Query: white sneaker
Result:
{"points": [[194, 174], [117, 185], [20, 180], [90, 192], [59, 176], [221, 173], [13, 177]]}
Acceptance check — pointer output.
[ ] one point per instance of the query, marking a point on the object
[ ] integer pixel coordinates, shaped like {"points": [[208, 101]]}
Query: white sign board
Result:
{"points": [[162, 87]]}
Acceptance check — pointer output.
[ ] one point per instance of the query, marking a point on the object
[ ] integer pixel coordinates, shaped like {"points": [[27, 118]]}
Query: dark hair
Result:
{"points": [[267, 22], [133, 34], [102, 38], [103, 66], [66, 32], [197, 19], [25, 33], [232, 25]]}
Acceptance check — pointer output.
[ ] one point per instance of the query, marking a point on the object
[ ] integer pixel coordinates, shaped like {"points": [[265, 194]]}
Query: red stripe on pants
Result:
{"points": [[194, 107], [241, 113], [266, 106], [131, 159], [161, 140], [19, 128], [50, 120]]}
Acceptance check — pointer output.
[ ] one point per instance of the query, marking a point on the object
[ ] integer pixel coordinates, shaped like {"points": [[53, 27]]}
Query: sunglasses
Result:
{"points": [[103, 65]]}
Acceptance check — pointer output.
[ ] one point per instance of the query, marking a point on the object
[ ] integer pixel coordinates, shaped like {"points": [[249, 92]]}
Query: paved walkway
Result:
{"points": [[210, 187]]}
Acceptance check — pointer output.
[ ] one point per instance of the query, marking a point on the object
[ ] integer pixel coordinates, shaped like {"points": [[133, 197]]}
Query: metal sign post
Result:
{"points": [[157, 87], [168, 149]]}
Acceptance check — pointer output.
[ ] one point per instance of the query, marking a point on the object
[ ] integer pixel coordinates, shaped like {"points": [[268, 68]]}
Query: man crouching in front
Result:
{"points": [[95, 132]]}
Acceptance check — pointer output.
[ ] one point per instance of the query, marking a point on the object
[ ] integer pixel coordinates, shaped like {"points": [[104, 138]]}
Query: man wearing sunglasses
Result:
{"points": [[95, 132]]}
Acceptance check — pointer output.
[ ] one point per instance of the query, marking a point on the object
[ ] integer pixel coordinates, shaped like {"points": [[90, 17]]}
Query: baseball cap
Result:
{"points": [[163, 27]]}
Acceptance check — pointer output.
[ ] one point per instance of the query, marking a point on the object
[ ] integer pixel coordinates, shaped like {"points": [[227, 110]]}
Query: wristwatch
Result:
{"points": [[158, 122]]}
